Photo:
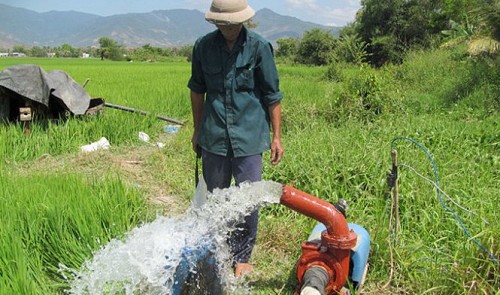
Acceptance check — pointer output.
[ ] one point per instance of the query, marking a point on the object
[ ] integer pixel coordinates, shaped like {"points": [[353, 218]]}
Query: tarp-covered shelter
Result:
{"points": [[48, 93]]}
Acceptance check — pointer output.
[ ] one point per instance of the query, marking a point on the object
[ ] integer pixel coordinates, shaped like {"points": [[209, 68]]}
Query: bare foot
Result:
{"points": [[242, 269]]}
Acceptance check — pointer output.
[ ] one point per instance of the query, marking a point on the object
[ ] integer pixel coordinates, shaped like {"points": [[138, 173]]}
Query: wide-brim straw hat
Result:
{"points": [[229, 12]]}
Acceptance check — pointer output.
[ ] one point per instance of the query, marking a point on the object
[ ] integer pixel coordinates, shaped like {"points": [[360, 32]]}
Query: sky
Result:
{"points": [[323, 12]]}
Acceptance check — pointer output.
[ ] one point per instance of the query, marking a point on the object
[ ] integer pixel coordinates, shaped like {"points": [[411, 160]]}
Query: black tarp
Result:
{"points": [[49, 92]]}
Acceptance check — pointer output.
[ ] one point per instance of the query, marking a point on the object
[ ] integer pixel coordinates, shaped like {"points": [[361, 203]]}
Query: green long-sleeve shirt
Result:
{"points": [[239, 87]]}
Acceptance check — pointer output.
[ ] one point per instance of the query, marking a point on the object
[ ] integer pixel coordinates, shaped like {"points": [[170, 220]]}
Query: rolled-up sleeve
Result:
{"points": [[267, 75], [197, 81]]}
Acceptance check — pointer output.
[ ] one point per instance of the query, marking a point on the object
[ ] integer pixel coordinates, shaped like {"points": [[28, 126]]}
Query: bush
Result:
{"points": [[361, 97], [484, 85], [334, 72], [350, 48], [365, 94], [315, 48]]}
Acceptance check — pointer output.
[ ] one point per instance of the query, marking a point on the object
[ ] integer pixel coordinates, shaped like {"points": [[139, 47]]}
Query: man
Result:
{"points": [[235, 97]]}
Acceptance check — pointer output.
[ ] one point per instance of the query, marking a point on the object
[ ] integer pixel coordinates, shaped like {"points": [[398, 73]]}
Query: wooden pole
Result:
{"points": [[394, 155], [132, 110]]}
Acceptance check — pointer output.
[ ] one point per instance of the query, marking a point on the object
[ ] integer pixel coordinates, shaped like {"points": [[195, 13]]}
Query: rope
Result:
{"points": [[436, 184]]}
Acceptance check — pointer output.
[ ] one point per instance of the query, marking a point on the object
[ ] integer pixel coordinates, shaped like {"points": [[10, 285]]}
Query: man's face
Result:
{"points": [[230, 32]]}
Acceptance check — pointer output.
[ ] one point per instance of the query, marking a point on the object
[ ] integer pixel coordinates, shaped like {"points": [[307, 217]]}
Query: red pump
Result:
{"points": [[333, 252]]}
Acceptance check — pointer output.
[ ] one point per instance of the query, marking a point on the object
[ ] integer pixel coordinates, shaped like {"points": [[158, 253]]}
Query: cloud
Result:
{"points": [[303, 4], [340, 16], [343, 13]]}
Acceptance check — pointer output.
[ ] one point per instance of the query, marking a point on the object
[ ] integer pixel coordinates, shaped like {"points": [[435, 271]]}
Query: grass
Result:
{"points": [[49, 219], [326, 156]]}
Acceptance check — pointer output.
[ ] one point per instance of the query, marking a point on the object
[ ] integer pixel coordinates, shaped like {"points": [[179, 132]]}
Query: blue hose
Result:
{"points": [[441, 198]]}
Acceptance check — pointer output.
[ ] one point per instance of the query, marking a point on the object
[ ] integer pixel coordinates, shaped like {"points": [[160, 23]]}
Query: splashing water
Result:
{"points": [[149, 259]]}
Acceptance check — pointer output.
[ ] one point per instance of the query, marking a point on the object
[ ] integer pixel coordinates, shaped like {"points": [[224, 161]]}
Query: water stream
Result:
{"points": [[149, 259]]}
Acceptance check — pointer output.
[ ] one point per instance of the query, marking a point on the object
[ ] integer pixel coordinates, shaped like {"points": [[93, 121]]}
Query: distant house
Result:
{"points": [[85, 55], [18, 54], [51, 54], [4, 54]]}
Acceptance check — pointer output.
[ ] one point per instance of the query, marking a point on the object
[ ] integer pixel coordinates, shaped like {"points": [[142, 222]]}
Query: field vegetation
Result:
{"points": [[59, 205]]}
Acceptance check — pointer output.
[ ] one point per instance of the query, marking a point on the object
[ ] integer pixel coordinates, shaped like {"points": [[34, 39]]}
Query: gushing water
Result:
{"points": [[148, 260]]}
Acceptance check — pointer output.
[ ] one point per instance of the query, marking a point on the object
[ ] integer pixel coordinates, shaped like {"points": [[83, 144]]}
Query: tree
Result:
{"points": [[316, 47], [479, 28], [110, 49], [186, 51], [91, 50], [350, 48], [37, 51], [20, 49], [488, 39], [391, 27], [287, 47], [458, 32], [66, 50]]}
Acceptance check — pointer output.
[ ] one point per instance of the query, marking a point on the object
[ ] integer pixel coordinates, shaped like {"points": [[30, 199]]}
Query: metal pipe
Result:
{"points": [[337, 238], [320, 210]]}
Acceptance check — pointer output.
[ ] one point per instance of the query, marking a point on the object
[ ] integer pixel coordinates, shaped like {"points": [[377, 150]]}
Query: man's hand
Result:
{"points": [[196, 147], [276, 146], [277, 151]]}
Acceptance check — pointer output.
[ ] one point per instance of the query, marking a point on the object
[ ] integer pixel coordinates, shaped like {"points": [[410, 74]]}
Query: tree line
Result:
{"points": [[385, 30], [108, 49]]}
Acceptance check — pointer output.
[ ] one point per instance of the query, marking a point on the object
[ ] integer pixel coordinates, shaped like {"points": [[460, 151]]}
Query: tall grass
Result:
{"points": [[447, 77], [52, 220]]}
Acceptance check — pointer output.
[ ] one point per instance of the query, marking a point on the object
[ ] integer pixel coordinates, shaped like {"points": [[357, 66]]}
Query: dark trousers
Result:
{"points": [[218, 172]]}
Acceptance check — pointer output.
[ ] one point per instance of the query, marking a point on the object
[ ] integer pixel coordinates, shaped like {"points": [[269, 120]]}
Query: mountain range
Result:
{"points": [[159, 28]]}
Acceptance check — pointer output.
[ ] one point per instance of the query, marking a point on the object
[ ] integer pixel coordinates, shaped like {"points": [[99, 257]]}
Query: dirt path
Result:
{"points": [[131, 164]]}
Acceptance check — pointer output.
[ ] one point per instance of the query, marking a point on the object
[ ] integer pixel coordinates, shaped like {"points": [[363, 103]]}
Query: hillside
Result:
{"points": [[160, 28]]}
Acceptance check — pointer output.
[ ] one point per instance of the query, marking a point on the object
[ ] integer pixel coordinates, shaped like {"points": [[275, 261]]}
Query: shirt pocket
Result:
{"points": [[214, 79], [245, 70]]}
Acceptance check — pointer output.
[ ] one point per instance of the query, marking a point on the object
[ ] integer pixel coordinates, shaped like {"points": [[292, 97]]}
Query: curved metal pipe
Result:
{"points": [[320, 210]]}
